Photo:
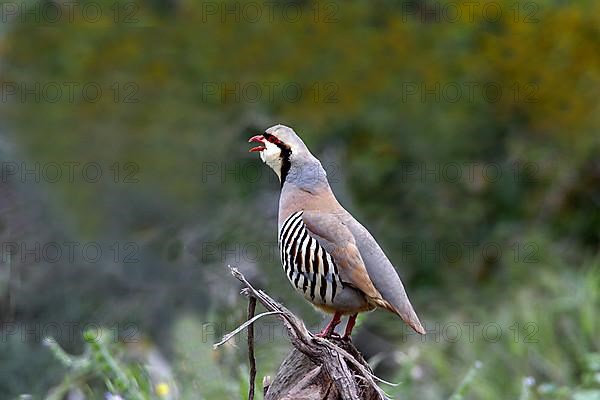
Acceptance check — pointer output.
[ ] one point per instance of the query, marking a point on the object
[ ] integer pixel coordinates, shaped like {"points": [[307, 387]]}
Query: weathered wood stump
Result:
{"points": [[300, 377], [317, 368]]}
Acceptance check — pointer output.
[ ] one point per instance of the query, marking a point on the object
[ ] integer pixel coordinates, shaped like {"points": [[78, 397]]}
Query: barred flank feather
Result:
{"points": [[309, 268]]}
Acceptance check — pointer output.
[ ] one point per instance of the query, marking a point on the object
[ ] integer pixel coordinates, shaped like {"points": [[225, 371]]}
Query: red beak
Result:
{"points": [[259, 139]]}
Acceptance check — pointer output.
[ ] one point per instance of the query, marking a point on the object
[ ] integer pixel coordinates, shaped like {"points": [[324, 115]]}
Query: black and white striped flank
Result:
{"points": [[310, 269]]}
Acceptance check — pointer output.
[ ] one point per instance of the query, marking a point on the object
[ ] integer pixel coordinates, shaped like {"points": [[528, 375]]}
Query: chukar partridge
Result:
{"points": [[327, 255]]}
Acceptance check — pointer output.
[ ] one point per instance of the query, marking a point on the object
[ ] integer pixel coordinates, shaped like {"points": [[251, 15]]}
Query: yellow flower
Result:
{"points": [[162, 389]]}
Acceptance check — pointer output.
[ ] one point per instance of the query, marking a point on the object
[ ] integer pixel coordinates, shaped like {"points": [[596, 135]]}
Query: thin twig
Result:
{"points": [[228, 337], [251, 359]]}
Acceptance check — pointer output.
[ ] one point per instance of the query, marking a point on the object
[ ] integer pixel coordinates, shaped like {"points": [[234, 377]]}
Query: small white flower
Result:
{"points": [[529, 381], [110, 396], [416, 373]]}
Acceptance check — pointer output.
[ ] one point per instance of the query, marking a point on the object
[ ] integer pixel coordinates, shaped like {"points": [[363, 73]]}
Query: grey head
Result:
{"points": [[283, 150]]}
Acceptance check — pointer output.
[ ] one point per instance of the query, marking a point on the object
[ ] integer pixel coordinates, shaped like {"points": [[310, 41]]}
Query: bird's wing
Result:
{"points": [[338, 235], [337, 240]]}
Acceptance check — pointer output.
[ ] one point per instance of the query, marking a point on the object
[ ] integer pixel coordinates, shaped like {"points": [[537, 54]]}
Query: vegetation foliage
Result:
{"points": [[395, 98]]}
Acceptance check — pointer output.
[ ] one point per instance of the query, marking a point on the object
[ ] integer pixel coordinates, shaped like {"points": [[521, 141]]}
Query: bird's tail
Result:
{"points": [[407, 314]]}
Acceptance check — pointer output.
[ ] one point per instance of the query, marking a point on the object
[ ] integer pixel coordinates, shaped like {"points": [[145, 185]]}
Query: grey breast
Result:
{"points": [[309, 268]]}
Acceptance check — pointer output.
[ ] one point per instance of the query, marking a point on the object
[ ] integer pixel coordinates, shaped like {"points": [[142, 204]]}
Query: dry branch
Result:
{"points": [[251, 359], [317, 369]]}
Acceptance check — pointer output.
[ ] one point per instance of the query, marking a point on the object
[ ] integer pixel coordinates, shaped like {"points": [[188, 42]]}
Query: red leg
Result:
{"points": [[328, 330], [350, 326]]}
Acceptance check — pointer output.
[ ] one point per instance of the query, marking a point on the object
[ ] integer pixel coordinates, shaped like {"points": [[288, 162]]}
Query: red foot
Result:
{"points": [[329, 330], [349, 327]]}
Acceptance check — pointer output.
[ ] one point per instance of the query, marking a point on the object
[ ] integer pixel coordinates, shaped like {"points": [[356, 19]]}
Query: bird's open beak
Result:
{"points": [[259, 139]]}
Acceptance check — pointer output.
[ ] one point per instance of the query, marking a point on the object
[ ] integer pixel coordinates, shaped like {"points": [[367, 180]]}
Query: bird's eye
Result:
{"points": [[270, 138]]}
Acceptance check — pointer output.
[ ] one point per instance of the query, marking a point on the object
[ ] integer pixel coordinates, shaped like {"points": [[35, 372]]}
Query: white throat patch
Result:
{"points": [[272, 157]]}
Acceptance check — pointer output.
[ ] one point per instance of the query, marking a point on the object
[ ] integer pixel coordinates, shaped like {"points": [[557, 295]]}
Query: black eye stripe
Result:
{"points": [[270, 137], [273, 139]]}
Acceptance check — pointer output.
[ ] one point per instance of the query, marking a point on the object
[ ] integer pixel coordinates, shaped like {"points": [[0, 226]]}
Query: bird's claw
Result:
{"points": [[326, 335]]}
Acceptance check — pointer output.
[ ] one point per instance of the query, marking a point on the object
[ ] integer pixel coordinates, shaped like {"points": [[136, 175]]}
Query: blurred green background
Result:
{"points": [[464, 135]]}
